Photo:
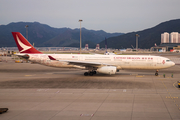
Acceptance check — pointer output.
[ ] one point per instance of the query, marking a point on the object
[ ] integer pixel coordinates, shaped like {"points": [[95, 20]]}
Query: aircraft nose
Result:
{"points": [[173, 63]]}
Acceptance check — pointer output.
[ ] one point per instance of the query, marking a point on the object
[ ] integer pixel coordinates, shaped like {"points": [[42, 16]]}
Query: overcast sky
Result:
{"points": [[108, 15]]}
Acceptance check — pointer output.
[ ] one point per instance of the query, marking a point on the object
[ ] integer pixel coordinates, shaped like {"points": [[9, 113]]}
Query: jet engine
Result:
{"points": [[107, 70]]}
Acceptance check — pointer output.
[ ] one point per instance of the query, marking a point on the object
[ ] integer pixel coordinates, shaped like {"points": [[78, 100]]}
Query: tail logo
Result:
{"points": [[25, 47]]}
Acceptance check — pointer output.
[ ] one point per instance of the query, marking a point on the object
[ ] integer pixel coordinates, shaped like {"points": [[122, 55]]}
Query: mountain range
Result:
{"points": [[43, 35], [147, 39]]}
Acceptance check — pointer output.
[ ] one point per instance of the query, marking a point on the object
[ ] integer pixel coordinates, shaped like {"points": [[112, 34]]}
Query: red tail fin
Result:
{"points": [[23, 45]]}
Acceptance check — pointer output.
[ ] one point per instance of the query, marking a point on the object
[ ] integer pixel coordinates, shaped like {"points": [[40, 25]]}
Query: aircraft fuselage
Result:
{"points": [[120, 61]]}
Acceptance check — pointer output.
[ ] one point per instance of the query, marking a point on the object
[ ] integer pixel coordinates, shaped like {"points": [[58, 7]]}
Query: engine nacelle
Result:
{"points": [[107, 70]]}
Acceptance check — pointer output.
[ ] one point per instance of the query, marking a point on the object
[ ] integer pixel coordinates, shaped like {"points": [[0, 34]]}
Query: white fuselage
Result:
{"points": [[120, 61]]}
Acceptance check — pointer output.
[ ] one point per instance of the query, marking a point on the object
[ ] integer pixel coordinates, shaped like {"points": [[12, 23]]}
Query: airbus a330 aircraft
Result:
{"points": [[106, 64]]}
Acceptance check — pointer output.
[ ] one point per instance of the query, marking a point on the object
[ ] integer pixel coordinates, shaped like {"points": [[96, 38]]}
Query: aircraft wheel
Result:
{"points": [[91, 73], [156, 74], [86, 74]]}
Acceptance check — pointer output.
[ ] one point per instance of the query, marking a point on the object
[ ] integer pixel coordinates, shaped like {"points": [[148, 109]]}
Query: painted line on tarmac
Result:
{"points": [[29, 75], [139, 76], [173, 98], [175, 86]]}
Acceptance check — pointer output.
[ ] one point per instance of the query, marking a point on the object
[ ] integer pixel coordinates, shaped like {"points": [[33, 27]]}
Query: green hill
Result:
{"points": [[45, 36], [147, 39]]}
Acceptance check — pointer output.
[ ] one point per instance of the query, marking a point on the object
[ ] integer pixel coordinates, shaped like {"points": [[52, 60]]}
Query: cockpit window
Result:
{"points": [[168, 60]]}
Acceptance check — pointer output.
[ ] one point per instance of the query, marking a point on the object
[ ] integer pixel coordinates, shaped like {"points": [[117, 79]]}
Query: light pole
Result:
{"points": [[137, 41], [80, 34], [26, 31]]}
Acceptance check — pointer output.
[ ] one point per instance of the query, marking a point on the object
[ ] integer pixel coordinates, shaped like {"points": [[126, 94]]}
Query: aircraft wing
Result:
{"points": [[87, 64], [81, 63]]}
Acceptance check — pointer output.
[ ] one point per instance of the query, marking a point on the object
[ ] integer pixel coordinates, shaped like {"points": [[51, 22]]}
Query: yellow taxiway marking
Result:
{"points": [[175, 86], [172, 97], [28, 75]]}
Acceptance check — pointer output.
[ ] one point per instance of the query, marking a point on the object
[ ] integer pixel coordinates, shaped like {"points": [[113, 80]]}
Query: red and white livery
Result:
{"points": [[106, 64]]}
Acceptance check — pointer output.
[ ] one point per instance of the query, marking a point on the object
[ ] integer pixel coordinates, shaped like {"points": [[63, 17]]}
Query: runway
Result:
{"points": [[37, 92]]}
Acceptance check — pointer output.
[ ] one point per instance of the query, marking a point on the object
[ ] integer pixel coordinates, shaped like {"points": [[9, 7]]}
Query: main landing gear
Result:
{"points": [[156, 74], [90, 73]]}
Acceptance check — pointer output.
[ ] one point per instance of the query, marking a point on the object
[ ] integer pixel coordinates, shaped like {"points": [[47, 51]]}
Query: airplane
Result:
{"points": [[104, 64]]}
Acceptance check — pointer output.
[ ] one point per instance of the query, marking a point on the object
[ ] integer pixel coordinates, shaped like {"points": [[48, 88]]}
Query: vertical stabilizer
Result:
{"points": [[23, 45]]}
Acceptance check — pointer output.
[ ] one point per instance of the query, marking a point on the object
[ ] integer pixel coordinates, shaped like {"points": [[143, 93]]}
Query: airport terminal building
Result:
{"points": [[169, 41], [166, 47]]}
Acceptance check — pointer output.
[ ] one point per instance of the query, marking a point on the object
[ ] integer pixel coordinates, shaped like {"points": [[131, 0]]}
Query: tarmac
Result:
{"points": [[37, 92]]}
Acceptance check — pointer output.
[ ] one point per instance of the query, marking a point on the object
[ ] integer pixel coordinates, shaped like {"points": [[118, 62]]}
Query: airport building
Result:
{"points": [[173, 37], [165, 38], [86, 47], [97, 47], [168, 42]]}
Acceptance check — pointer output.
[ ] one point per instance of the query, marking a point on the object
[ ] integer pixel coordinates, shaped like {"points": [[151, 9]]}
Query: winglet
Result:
{"points": [[51, 58]]}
